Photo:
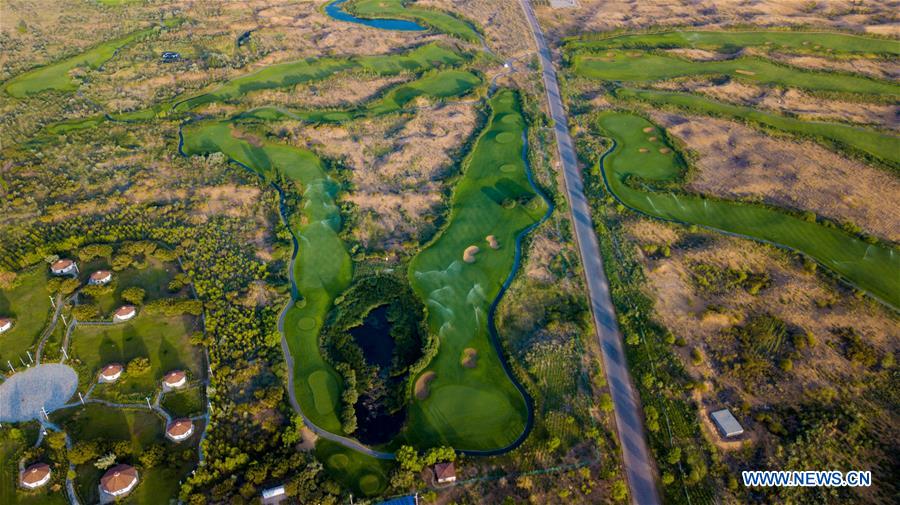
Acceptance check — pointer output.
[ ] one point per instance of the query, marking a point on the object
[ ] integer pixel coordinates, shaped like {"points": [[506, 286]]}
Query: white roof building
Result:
{"points": [[727, 424], [63, 267], [124, 313], [273, 492], [180, 429], [5, 324], [35, 476]]}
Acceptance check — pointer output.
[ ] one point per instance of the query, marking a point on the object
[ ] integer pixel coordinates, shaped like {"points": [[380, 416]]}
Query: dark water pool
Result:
{"points": [[374, 338], [335, 10]]}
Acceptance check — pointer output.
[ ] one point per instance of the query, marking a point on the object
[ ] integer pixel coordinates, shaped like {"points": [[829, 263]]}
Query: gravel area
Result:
{"points": [[23, 394]]}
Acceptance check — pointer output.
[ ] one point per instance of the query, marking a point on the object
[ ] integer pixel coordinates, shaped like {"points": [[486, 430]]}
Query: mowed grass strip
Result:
{"points": [[55, 76], [28, 303], [165, 341], [630, 66], [439, 20], [438, 85], [871, 267], [474, 408], [291, 73], [882, 146], [363, 474], [322, 269], [818, 42]]}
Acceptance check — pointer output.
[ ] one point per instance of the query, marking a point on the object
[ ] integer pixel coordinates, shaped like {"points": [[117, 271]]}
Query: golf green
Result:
{"points": [[635, 161], [474, 408], [322, 267]]}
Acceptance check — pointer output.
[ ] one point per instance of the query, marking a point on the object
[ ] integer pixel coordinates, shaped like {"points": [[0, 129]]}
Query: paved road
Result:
{"points": [[629, 421]]}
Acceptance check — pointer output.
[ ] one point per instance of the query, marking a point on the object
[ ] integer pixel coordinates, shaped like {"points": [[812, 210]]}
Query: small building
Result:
{"points": [[273, 494], [727, 424], [119, 480], [445, 473], [179, 430], [100, 277], [170, 56], [35, 476], [124, 313], [111, 372], [63, 267], [6, 324], [175, 379]]}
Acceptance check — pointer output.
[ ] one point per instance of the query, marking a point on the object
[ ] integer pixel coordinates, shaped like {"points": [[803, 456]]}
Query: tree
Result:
{"points": [[138, 365], [86, 312], [82, 452], [674, 455], [606, 403], [134, 295], [619, 491], [667, 478], [56, 440], [409, 459], [436, 454], [293, 433], [152, 456], [106, 461]]}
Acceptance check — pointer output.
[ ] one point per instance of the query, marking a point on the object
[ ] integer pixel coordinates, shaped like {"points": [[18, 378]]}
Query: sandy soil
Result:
{"points": [[791, 101], [469, 358], [469, 254], [603, 15], [421, 388], [739, 162]]}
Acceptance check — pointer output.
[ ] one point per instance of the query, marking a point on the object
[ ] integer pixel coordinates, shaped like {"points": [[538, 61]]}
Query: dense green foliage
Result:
{"points": [[475, 408]]}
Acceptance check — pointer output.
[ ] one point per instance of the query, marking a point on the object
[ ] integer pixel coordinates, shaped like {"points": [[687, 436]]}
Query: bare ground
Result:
{"points": [[737, 161]]}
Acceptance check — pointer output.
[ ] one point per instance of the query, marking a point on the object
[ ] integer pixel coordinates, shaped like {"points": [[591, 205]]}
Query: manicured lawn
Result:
{"points": [[139, 427], [165, 341], [475, 408], [28, 303], [871, 267], [441, 84], [439, 20], [816, 42], [630, 66], [363, 474], [882, 146], [322, 269], [11, 450], [184, 403], [289, 74], [55, 76]]}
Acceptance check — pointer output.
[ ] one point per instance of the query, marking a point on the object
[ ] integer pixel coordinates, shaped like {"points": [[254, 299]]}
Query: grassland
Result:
{"points": [[28, 303], [438, 85], [475, 408], [140, 429], [636, 160], [55, 76], [440, 21], [824, 43], [288, 74], [881, 146], [631, 66], [322, 267], [153, 279], [11, 448], [165, 341], [365, 475], [184, 403]]}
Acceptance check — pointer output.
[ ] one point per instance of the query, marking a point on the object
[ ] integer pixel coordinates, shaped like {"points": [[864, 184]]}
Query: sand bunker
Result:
{"points": [[744, 72], [469, 253], [422, 385], [469, 358], [643, 150], [492, 241], [665, 150], [652, 139], [648, 129]]}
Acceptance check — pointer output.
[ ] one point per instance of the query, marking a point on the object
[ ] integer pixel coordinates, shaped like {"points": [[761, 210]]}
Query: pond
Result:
{"points": [[335, 10], [374, 338]]}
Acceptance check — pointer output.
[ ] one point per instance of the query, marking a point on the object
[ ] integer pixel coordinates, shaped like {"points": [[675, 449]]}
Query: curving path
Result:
{"points": [[639, 468]]}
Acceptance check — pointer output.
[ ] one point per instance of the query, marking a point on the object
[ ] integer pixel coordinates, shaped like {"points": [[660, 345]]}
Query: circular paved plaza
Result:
{"points": [[24, 393]]}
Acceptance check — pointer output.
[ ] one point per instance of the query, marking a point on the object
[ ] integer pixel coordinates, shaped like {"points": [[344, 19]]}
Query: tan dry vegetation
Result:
{"points": [[397, 166], [791, 101], [604, 15], [736, 161], [503, 22], [343, 90]]}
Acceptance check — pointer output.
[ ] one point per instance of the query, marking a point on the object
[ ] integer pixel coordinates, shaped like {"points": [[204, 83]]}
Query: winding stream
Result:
{"points": [[335, 11]]}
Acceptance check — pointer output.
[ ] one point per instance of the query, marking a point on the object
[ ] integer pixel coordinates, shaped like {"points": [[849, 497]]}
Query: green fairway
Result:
{"points": [[165, 341], [816, 42], [322, 268], [289, 74], [55, 76], [439, 20], [363, 474], [28, 304], [869, 266], [438, 85], [882, 146], [630, 66], [475, 408]]}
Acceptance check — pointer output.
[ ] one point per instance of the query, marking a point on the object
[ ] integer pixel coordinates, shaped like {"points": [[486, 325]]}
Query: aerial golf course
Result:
{"points": [[641, 160]]}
